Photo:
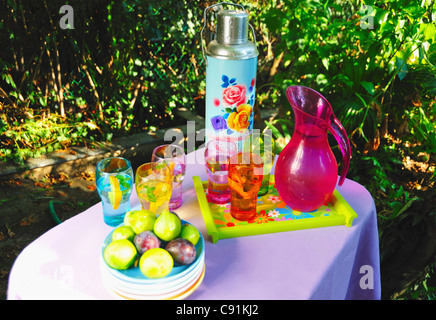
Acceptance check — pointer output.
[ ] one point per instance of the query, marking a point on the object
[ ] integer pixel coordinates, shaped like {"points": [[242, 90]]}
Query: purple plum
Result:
{"points": [[182, 251], [146, 240]]}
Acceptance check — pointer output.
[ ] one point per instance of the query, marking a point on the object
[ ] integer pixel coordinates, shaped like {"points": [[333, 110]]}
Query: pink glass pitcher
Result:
{"points": [[306, 171]]}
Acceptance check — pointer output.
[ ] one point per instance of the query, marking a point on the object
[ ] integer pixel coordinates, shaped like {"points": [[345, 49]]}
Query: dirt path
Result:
{"points": [[25, 214]]}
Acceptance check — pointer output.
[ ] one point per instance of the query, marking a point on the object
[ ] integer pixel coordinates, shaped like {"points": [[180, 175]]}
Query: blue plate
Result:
{"points": [[134, 274]]}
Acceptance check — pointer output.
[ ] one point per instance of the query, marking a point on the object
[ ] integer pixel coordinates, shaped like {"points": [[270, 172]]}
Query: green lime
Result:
{"points": [[167, 226], [127, 217], [123, 232], [189, 232], [120, 254], [156, 263], [141, 220]]}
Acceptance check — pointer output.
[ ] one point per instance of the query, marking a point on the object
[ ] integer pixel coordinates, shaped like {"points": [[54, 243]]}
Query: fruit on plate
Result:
{"points": [[127, 217], [153, 244], [123, 232], [156, 263], [189, 232], [141, 220], [115, 194], [182, 251], [167, 226], [146, 240], [120, 254]]}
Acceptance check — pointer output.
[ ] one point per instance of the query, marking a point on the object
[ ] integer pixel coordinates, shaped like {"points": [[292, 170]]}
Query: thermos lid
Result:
{"points": [[232, 27], [232, 37]]}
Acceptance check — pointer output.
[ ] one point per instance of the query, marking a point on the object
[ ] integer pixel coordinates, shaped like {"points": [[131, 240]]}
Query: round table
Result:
{"points": [[336, 262]]}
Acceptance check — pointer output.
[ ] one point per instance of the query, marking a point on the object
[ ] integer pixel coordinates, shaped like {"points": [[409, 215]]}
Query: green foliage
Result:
{"points": [[423, 289], [375, 62], [327, 46], [35, 136], [124, 68]]}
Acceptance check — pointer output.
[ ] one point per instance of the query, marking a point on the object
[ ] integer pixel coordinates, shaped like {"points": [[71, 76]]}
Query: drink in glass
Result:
{"points": [[174, 156], [114, 180], [262, 144], [217, 157], [245, 179], [154, 186]]}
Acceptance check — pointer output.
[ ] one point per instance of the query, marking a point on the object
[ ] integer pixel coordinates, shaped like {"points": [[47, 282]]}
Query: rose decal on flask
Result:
{"points": [[235, 95], [237, 102], [239, 120]]}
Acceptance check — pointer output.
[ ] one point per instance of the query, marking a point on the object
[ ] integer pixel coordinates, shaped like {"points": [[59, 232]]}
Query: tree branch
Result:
{"points": [[60, 92]]}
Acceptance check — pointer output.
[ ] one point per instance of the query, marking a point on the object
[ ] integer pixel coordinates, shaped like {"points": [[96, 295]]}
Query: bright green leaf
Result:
{"points": [[369, 87]]}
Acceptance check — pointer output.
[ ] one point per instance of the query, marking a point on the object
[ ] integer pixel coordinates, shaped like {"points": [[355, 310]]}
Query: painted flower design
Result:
{"points": [[274, 199], [235, 95], [227, 81], [300, 215], [283, 218], [261, 217], [229, 221], [281, 205], [239, 120], [273, 213], [218, 123], [216, 102], [237, 103]]}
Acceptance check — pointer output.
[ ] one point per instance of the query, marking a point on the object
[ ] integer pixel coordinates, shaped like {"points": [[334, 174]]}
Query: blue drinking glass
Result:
{"points": [[114, 180]]}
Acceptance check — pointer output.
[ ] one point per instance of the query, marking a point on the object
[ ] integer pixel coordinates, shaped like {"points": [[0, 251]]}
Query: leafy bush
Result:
{"points": [[124, 68], [380, 79]]}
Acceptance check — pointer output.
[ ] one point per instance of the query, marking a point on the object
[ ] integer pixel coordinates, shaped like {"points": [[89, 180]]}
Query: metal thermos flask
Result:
{"points": [[231, 66]]}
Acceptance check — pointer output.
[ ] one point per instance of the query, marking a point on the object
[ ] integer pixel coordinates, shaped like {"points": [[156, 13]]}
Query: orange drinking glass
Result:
{"points": [[245, 179]]}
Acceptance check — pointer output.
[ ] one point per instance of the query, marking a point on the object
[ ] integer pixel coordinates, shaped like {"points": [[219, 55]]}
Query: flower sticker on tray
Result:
{"points": [[237, 106]]}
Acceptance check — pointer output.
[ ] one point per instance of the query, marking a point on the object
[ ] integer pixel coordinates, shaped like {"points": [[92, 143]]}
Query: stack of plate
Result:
{"points": [[132, 284]]}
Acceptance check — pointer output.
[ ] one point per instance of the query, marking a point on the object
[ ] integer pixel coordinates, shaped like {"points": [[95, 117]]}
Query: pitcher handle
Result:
{"points": [[338, 131]]}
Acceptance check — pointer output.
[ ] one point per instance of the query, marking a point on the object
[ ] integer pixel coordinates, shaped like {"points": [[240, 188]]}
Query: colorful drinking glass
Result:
{"points": [[154, 183], [245, 179], [262, 144], [217, 157], [174, 156], [114, 180]]}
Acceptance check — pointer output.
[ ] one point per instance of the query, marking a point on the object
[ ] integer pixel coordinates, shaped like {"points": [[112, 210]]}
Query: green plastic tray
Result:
{"points": [[272, 215]]}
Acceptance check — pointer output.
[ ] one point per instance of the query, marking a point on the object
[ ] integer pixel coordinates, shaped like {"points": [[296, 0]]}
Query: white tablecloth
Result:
{"points": [[325, 263]]}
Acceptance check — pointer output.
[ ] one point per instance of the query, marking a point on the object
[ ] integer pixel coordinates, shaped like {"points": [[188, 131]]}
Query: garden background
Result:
{"points": [[127, 66]]}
